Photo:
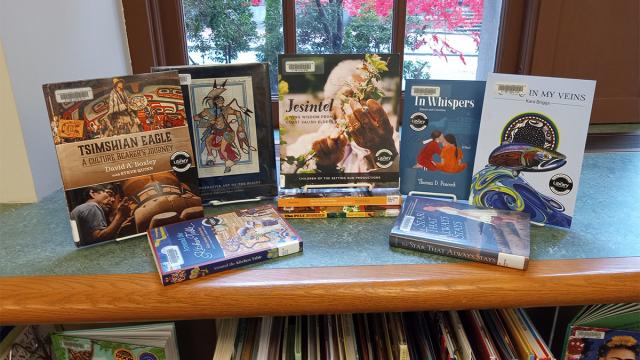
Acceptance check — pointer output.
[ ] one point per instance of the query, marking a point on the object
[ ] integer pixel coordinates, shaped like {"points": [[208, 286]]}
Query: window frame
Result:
{"points": [[156, 35]]}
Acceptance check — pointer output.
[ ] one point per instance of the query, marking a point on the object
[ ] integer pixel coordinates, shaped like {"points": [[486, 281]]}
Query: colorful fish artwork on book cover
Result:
{"points": [[531, 145]]}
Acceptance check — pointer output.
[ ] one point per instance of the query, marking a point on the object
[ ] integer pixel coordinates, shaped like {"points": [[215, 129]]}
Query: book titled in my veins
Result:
{"points": [[454, 229], [194, 248], [439, 138], [530, 146]]}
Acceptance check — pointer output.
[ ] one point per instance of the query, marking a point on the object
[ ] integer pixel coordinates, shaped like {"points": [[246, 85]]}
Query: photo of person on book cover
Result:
{"points": [[108, 211], [612, 345], [339, 119], [96, 111]]}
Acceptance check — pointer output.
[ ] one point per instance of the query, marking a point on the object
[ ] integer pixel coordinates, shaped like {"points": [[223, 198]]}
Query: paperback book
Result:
{"points": [[194, 248], [339, 197], [339, 119], [441, 120], [229, 116], [497, 237], [530, 146], [125, 154]]}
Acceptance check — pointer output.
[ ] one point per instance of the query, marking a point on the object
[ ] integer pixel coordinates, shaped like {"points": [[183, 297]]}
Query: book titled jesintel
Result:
{"points": [[530, 146], [194, 248], [459, 230], [439, 142]]}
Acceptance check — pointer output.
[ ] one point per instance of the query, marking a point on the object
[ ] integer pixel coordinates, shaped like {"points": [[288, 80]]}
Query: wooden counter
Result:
{"points": [[141, 297]]}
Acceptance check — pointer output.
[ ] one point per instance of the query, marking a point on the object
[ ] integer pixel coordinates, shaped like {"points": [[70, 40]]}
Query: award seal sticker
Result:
{"points": [[180, 161], [384, 158], [561, 184], [418, 121], [147, 356]]}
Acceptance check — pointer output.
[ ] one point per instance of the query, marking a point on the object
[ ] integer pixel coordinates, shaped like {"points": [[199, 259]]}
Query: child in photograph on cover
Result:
{"points": [[619, 348], [92, 216]]}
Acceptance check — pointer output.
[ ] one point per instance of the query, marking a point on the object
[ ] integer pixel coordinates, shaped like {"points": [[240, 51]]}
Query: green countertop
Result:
{"points": [[36, 238]]}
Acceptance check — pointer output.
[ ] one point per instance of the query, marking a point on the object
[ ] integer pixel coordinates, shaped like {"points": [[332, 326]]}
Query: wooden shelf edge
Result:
{"points": [[254, 292]]}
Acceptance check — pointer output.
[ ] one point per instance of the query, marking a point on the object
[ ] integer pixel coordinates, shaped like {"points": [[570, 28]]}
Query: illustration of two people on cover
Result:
{"points": [[444, 148]]}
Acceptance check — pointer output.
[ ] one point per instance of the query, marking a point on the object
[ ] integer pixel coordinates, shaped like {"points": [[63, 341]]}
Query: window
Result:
{"points": [[442, 39]]}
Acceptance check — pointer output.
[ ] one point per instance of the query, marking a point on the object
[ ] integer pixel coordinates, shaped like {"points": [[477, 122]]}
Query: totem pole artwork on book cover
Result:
{"points": [[530, 146], [338, 120], [125, 154]]}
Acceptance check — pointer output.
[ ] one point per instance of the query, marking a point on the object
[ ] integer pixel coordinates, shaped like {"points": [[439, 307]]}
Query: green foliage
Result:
{"points": [[273, 40], [319, 28], [367, 32], [416, 70], [219, 29]]}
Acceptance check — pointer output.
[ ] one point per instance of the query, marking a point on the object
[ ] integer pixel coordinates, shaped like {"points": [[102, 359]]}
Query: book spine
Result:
{"points": [[473, 254], [339, 201], [341, 214], [232, 263]]}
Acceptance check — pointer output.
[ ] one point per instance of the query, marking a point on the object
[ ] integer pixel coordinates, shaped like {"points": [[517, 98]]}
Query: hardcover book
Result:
{"points": [[125, 154], [194, 248], [592, 343], [338, 119], [439, 136], [321, 212], [229, 115], [497, 237], [530, 146]]}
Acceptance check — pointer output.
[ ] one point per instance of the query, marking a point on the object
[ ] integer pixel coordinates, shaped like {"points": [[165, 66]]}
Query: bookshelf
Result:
{"points": [[346, 267]]}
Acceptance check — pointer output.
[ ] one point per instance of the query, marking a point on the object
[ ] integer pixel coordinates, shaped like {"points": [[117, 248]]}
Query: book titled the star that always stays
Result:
{"points": [[455, 229], [198, 247]]}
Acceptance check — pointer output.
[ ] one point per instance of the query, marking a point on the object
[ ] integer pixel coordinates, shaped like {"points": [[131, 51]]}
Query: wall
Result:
{"points": [[54, 41], [16, 183]]}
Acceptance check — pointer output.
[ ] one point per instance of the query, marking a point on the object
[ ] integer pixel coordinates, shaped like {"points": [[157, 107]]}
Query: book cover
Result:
{"points": [[339, 119], [587, 343], [530, 146], [194, 248], [497, 237], [125, 155], [441, 120], [228, 108], [70, 348]]}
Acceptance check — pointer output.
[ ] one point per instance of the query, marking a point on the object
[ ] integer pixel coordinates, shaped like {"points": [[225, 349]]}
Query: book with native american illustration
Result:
{"points": [[125, 154], [339, 120], [531, 144], [198, 247], [228, 109], [439, 136]]}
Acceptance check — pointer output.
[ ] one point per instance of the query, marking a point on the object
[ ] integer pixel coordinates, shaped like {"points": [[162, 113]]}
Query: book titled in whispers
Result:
{"points": [[439, 138], [125, 154], [229, 114], [194, 248], [459, 230], [531, 144], [339, 119]]}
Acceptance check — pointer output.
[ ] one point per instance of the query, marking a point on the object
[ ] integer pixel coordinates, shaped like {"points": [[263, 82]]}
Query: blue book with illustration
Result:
{"points": [[198, 247], [439, 134], [498, 237]]}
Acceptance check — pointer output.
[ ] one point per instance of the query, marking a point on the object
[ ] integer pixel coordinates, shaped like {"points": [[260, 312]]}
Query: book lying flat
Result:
{"points": [[455, 229], [194, 248]]}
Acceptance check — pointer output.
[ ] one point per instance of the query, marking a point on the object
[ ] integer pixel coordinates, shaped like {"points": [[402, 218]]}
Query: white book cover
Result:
{"points": [[531, 144]]}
